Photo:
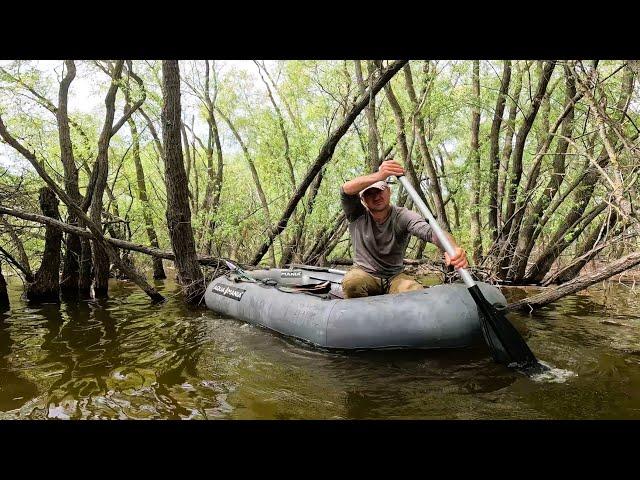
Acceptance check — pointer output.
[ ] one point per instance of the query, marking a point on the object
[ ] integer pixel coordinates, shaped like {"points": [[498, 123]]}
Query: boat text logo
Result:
{"points": [[227, 291], [291, 274]]}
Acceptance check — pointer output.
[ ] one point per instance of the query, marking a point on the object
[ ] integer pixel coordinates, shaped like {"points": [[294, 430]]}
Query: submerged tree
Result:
{"points": [[46, 287], [178, 211]]}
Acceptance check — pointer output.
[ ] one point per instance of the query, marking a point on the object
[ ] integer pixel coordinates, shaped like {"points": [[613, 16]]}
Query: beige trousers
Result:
{"points": [[358, 283]]}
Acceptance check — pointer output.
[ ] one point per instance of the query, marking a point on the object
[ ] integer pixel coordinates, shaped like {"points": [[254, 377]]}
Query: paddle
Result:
{"points": [[505, 343]]}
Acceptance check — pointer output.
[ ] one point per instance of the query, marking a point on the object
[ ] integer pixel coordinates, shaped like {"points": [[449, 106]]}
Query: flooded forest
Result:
{"points": [[126, 187]]}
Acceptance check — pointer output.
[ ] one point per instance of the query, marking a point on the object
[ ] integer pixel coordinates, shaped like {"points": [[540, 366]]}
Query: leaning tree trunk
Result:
{"points": [[4, 296], [373, 161], [513, 186], [299, 218], [114, 242], [518, 151], [296, 246], [46, 287], [564, 235], [325, 239], [178, 211], [213, 189]]}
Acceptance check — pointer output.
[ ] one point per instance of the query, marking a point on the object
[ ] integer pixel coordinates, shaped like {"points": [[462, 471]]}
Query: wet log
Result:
{"points": [[579, 283]]}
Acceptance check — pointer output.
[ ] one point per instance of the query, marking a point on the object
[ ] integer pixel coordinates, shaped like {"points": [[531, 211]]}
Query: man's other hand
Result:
{"points": [[390, 168], [459, 260]]}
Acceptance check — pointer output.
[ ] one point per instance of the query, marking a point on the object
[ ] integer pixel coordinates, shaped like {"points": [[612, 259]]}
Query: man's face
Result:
{"points": [[377, 200]]}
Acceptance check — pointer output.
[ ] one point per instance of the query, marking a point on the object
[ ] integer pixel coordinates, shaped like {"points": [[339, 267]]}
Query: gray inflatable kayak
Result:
{"points": [[443, 316]]}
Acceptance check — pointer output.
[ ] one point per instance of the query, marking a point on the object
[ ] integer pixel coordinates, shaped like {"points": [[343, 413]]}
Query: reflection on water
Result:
{"points": [[126, 358]]}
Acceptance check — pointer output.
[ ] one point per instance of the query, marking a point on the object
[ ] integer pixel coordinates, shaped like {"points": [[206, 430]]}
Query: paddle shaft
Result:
{"points": [[440, 234]]}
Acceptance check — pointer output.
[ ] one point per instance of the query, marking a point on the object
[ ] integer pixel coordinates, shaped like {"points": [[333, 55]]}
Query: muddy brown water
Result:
{"points": [[125, 358]]}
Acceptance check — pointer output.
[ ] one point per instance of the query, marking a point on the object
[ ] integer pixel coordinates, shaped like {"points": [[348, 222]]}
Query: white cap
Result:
{"points": [[381, 185]]}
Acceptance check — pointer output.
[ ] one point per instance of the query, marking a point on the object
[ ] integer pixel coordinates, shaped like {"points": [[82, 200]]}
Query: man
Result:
{"points": [[380, 234]]}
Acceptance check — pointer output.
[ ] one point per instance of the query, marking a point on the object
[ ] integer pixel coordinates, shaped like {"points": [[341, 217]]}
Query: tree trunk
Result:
{"points": [[325, 154], [4, 295], [158, 270], [580, 283], [494, 157], [178, 211], [46, 287], [507, 149], [451, 197], [208, 149], [324, 240], [187, 154], [71, 265], [476, 235], [506, 250], [333, 243], [85, 270], [101, 262], [373, 160], [27, 274], [217, 190]]}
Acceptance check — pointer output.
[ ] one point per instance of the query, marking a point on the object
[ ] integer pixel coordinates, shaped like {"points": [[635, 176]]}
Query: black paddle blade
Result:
{"points": [[505, 343]]}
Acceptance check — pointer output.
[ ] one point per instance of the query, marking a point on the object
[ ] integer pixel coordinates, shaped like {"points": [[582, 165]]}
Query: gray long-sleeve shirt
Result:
{"points": [[378, 248]]}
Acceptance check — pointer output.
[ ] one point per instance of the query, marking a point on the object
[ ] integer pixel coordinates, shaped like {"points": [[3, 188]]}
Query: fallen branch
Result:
{"points": [[579, 283], [116, 242]]}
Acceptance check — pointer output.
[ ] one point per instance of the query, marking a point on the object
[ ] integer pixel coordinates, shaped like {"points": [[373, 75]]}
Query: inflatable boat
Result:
{"points": [[307, 303]]}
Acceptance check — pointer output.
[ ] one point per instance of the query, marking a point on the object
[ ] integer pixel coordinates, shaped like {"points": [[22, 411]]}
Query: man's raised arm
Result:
{"points": [[387, 169]]}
